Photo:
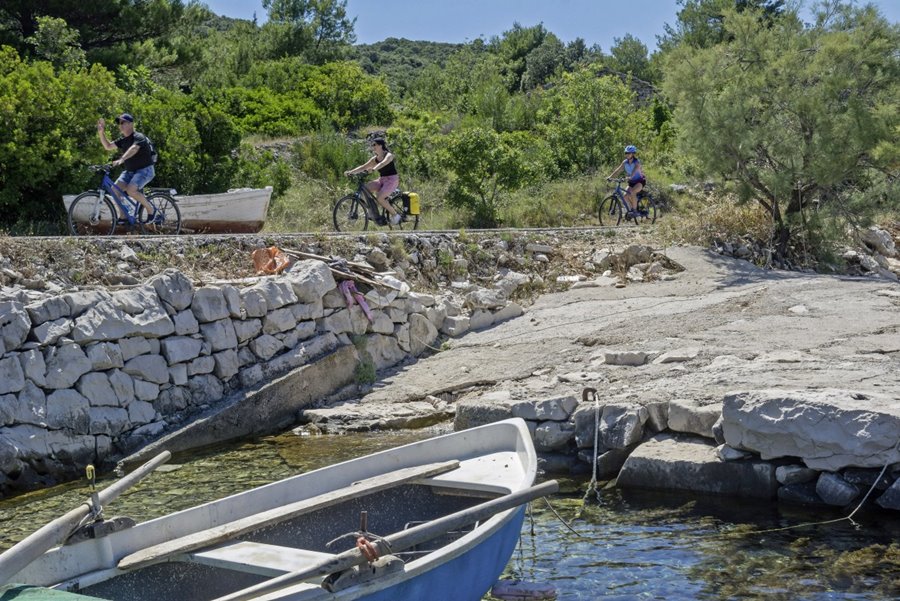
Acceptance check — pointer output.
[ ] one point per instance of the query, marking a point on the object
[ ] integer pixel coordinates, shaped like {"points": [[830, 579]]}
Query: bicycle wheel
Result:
{"points": [[349, 215], [646, 211], [166, 220], [88, 214], [407, 220], [610, 211]]}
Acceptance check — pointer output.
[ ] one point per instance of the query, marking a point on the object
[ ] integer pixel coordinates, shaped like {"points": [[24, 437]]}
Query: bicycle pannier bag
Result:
{"points": [[412, 206]]}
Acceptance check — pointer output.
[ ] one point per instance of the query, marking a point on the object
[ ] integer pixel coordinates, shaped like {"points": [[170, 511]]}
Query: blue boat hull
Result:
{"points": [[465, 578]]}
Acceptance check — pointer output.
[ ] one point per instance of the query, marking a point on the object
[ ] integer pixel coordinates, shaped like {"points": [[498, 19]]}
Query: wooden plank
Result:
{"points": [[259, 558], [230, 530], [398, 541]]}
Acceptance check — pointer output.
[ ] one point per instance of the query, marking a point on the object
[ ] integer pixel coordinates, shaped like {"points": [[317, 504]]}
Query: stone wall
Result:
{"points": [[822, 447], [90, 376]]}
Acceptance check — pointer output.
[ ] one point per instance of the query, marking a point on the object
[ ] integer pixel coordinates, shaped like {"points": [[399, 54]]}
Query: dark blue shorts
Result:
{"points": [[637, 180]]}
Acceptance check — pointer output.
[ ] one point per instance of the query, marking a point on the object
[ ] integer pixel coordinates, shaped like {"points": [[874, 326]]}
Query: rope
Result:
{"points": [[592, 485], [560, 518], [425, 344], [822, 523]]}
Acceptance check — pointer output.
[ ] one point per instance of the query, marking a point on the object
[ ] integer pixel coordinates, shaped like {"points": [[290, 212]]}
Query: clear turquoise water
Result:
{"points": [[626, 546]]}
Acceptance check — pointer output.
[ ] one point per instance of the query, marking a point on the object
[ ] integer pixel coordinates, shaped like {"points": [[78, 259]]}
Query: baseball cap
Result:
{"points": [[124, 117]]}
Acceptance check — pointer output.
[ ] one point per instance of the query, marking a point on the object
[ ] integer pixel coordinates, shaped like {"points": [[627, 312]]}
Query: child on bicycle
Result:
{"points": [[636, 179], [136, 156], [388, 180]]}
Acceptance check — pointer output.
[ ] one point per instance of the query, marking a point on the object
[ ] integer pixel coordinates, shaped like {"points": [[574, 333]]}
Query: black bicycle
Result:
{"points": [[614, 208], [353, 212]]}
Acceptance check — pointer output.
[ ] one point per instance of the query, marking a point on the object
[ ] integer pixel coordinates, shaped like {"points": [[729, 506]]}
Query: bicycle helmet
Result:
{"points": [[631, 148]]}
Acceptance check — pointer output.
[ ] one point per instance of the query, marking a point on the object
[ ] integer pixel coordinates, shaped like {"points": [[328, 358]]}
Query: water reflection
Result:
{"points": [[663, 546], [628, 545]]}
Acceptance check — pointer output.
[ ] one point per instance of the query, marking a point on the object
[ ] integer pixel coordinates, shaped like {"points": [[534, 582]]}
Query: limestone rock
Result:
{"points": [[14, 324], [828, 429], [12, 378], [209, 305], [834, 490], [622, 425], [65, 364], [555, 408], [310, 280], [422, 334], [686, 463], [693, 417], [174, 289]]}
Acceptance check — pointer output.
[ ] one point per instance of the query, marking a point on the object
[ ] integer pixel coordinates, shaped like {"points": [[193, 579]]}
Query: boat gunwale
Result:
{"points": [[350, 471]]}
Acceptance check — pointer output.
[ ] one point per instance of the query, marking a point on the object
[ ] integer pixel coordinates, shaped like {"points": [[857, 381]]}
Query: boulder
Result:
{"points": [[65, 364], [622, 425], [693, 417], [12, 377], [14, 325], [670, 462], [174, 289], [209, 305], [310, 280], [828, 429]]}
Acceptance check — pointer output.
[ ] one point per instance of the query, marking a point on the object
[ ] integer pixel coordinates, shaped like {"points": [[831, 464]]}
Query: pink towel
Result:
{"points": [[351, 294]]}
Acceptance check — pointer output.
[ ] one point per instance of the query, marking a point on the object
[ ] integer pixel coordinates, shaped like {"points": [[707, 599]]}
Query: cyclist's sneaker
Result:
{"points": [[156, 218], [631, 214], [396, 218]]}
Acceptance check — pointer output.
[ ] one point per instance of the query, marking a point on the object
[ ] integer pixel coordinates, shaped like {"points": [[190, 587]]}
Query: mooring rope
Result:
{"points": [[824, 522], [592, 485]]}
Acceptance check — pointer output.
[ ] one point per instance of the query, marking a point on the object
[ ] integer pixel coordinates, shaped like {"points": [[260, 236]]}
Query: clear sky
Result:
{"points": [[596, 21]]}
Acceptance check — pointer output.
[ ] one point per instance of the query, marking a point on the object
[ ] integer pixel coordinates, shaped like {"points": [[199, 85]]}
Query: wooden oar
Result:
{"points": [[30, 548], [257, 521], [398, 541]]}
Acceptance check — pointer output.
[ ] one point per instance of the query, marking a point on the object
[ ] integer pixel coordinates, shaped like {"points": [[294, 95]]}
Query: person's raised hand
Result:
{"points": [[101, 125]]}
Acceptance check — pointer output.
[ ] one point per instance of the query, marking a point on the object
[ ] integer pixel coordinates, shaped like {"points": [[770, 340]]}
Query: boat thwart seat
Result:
{"points": [[258, 558]]}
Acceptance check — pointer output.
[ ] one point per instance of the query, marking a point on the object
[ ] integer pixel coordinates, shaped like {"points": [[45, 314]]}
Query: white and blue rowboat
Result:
{"points": [[449, 511]]}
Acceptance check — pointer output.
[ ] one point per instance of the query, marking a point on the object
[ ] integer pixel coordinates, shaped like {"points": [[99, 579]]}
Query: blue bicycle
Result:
{"points": [[100, 211], [614, 208]]}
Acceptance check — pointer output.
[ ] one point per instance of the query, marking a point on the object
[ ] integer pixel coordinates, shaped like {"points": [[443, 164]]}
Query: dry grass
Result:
{"points": [[703, 219]]}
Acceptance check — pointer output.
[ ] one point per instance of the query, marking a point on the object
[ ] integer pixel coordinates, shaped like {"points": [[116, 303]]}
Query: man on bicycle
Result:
{"points": [[136, 156], [636, 179]]}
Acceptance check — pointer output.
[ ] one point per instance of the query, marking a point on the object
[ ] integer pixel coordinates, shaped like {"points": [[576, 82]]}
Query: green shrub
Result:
{"points": [[47, 135], [327, 154]]}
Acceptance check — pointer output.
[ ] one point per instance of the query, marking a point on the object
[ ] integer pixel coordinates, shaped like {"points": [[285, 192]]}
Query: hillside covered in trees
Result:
{"points": [[786, 115]]}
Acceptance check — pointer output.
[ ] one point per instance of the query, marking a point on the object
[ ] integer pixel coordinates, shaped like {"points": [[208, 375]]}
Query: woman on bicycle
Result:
{"points": [[636, 179], [388, 180]]}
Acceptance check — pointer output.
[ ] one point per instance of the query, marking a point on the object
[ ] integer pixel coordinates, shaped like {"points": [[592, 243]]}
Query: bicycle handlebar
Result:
{"points": [[101, 168]]}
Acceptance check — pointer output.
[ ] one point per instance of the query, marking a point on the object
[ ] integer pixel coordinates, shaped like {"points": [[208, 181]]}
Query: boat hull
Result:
{"points": [[464, 578], [472, 466], [235, 212]]}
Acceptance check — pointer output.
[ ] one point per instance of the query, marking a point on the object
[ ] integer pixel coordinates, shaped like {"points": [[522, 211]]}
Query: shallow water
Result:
{"points": [[625, 545]]}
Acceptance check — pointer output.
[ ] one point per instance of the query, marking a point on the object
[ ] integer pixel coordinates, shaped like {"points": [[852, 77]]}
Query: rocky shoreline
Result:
{"points": [[533, 365]]}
